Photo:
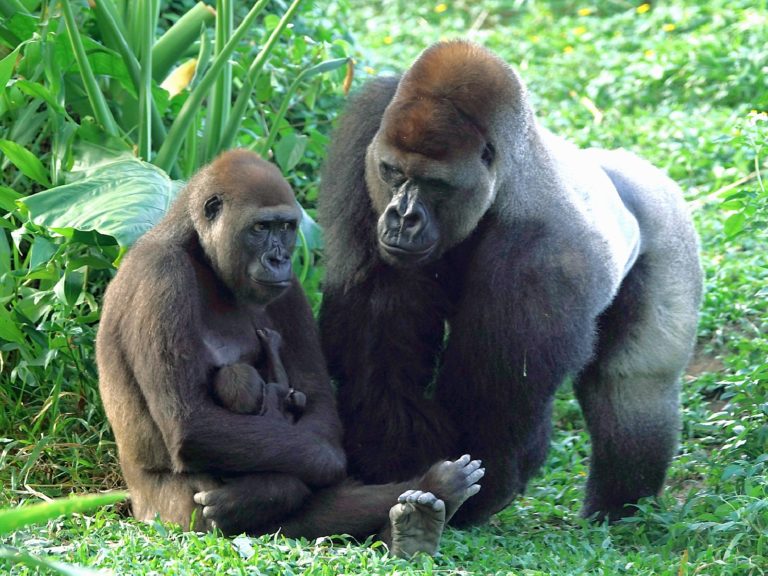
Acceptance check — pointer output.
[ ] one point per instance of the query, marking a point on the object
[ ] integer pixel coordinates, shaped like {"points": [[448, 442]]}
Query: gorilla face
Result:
{"points": [[431, 177], [248, 226], [267, 241]]}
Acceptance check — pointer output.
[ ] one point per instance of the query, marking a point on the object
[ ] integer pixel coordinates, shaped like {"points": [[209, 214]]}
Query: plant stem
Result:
{"points": [[99, 105], [166, 157], [238, 110]]}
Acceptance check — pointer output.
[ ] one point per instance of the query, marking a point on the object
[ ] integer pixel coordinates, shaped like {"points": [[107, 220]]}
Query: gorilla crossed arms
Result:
{"points": [[474, 261]]}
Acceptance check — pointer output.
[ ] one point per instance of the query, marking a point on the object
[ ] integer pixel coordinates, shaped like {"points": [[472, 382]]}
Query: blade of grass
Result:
{"points": [[166, 157], [98, 104], [15, 518], [236, 117], [148, 9], [106, 12], [220, 100]]}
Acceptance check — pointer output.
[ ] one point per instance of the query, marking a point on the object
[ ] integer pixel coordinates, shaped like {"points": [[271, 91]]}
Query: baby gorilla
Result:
{"points": [[240, 388]]}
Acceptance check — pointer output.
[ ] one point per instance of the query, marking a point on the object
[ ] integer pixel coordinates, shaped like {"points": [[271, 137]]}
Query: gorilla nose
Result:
{"points": [[408, 222]]}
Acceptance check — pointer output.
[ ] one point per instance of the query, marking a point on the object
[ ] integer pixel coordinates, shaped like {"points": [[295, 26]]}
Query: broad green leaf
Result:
{"points": [[69, 287], [37, 90], [41, 252], [289, 150], [734, 224], [24, 160], [311, 232], [9, 331], [6, 68], [14, 518], [122, 199], [8, 197]]}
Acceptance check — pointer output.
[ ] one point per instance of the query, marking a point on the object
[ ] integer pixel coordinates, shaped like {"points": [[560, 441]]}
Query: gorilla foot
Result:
{"points": [[454, 481], [417, 522]]}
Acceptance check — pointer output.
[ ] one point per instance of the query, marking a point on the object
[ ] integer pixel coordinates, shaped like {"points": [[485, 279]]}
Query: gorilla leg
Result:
{"points": [[167, 495], [629, 392]]}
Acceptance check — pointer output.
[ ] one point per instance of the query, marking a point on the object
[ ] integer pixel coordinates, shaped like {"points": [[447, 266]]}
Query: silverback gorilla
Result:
{"points": [[474, 261], [206, 290]]}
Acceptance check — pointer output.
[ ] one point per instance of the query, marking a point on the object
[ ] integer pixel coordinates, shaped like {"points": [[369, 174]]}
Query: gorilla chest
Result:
{"points": [[231, 337]]}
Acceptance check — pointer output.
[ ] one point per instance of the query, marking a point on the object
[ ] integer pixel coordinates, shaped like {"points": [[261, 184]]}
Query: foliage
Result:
{"points": [[681, 83]]}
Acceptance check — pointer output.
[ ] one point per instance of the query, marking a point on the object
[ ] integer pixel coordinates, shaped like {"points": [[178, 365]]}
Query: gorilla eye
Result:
{"points": [[285, 226], [489, 153], [390, 174], [212, 207], [261, 226]]}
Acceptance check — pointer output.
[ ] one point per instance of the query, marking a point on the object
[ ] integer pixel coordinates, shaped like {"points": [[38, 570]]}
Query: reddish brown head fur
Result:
{"points": [[444, 102]]}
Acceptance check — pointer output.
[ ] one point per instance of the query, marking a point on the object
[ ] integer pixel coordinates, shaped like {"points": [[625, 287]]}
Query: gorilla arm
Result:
{"points": [[532, 339], [165, 348]]}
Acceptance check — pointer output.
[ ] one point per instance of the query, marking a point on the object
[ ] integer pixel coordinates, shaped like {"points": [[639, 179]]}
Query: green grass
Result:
{"points": [[676, 84]]}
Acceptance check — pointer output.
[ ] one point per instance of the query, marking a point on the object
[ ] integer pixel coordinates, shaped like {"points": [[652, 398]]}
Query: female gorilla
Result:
{"points": [[192, 297]]}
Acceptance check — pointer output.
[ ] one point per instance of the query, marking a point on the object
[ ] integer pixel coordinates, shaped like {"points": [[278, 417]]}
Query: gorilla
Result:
{"points": [[197, 299], [240, 388], [474, 262]]}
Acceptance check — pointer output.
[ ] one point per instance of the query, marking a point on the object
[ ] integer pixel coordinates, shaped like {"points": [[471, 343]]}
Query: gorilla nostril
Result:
{"points": [[413, 222], [392, 217]]}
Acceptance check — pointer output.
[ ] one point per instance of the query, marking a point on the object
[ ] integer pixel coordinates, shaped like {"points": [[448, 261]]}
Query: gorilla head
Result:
{"points": [[248, 243], [432, 168]]}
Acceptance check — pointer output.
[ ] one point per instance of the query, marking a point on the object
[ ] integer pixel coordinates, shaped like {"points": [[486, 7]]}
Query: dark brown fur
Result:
{"points": [[189, 298]]}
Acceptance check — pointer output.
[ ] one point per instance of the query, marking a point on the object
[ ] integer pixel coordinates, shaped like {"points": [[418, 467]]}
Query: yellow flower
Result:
{"points": [[441, 8], [585, 11], [668, 27], [369, 70], [579, 30], [643, 8], [535, 38], [649, 53], [388, 40], [568, 49]]}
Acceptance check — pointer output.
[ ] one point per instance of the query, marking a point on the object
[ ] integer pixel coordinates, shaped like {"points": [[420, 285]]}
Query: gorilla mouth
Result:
{"points": [[272, 283], [406, 255]]}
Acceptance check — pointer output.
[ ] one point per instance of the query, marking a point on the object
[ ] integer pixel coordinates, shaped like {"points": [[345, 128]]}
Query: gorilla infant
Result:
{"points": [[240, 388], [190, 321], [474, 261]]}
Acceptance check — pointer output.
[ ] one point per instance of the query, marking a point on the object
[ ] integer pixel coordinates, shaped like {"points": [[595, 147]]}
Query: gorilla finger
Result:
{"points": [[210, 511], [476, 475], [463, 461], [472, 490], [427, 499], [405, 495], [201, 498], [472, 466]]}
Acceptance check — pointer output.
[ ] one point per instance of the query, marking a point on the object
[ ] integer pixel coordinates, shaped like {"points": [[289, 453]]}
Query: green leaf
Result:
{"points": [[122, 199], [8, 197], [69, 287], [15, 518], [290, 150], [41, 252], [9, 331], [734, 224], [311, 232], [7, 65], [24, 160]]}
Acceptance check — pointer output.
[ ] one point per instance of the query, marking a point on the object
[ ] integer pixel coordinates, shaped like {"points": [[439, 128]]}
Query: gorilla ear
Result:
{"points": [[212, 207], [489, 153]]}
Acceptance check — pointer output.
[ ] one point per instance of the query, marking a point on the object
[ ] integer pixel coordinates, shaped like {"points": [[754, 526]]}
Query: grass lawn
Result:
{"points": [[684, 84]]}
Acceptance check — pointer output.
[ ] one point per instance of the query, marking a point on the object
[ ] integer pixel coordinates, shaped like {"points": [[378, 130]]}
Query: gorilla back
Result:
{"points": [[474, 261]]}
